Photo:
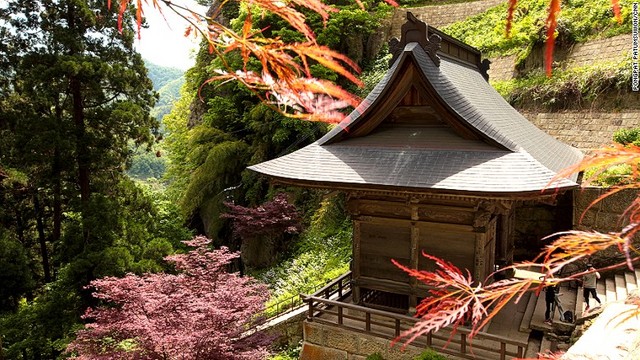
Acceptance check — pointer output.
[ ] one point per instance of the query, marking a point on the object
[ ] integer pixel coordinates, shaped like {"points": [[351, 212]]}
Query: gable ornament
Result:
{"points": [[415, 30]]}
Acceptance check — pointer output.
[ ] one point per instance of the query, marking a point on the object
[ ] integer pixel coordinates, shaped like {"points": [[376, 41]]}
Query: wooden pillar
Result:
{"points": [[482, 218], [502, 240], [355, 271], [415, 254], [479, 255]]}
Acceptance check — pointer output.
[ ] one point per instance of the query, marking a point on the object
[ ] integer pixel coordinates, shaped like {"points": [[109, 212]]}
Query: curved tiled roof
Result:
{"points": [[521, 159]]}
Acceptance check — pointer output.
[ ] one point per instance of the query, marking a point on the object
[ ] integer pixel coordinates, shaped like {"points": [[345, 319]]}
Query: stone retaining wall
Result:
{"points": [[585, 130], [288, 333], [613, 49], [440, 15], [604, 216], [610, 49], [503, 68]]}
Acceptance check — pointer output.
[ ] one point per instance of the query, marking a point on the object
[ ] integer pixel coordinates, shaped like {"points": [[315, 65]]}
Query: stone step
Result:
{"points": [[580, 301], [621, 287], [600, 289], [533, 348], [631, 282], [610, 291], [537, 319], [547, 346], [525, 324]]}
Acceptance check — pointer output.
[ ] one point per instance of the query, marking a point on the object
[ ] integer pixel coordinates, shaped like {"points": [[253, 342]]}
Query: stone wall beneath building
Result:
{"points": [[585, 130], [603, 216], [322, 342], [287, 333]]}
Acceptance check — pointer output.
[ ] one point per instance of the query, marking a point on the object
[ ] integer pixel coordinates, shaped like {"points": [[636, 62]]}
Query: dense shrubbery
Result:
{"points": [[578, 22], [620, 173], [322, 254]]}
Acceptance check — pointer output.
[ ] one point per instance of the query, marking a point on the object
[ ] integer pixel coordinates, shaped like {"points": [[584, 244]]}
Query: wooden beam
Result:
{"points": [[407, 222]]}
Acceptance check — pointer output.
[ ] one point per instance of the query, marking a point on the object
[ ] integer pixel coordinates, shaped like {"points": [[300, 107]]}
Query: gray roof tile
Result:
{"points": [[435, 159]]}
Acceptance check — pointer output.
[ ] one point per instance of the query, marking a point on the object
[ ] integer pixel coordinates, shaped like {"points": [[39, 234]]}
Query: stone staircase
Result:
{"points": [[543, 338]]}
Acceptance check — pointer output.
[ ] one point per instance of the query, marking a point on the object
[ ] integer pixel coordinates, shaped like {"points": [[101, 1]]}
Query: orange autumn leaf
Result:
{"points": [[510, 12], [552, 23], [285, 80], [616, 10]]}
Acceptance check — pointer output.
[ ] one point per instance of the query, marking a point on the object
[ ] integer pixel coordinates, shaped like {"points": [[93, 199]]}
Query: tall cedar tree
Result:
{"points": [[73, 95], [200, 313]]}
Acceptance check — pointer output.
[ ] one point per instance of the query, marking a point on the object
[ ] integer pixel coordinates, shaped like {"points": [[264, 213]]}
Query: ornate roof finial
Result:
{"points": [[415, 30]]}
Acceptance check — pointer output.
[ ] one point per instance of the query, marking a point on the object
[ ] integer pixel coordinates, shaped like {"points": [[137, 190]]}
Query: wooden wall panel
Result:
{"points": [[456, 247], [379, 243]]}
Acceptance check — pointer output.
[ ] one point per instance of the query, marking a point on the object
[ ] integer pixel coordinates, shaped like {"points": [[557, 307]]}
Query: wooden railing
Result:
{"points": [[390, 325], [340, 286]]}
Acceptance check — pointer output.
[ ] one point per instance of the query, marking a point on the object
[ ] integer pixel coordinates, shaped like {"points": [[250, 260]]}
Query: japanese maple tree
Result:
{"points": [[273, 217], [201, 312]]}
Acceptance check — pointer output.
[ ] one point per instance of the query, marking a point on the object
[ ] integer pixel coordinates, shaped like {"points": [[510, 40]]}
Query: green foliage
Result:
{"points": [[347, 31], [569, 88], [627, 136], [372, 76], [147, 163], [322, 254], [167, 81], [578, 22], [167, 96], [374, 356], [139, 228], [617, 174], [290, 353], [430, 354], [162, 75], [614, 175], [43, 327], [15, 277]]}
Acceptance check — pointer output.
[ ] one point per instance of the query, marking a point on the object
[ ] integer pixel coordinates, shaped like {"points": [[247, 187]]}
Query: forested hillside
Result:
{"points": [[167, 81], [148, 164]]}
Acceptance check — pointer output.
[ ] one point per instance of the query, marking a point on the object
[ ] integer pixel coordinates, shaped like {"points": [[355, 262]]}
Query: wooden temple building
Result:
{"points": [[433, 160]]}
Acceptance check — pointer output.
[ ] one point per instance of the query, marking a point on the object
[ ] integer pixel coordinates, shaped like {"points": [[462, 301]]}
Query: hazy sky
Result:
{"points": [[163, 42]]}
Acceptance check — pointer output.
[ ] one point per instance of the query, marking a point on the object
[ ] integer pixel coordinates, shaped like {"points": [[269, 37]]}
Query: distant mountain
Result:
{"points": [[167, 81], [161, 75]]}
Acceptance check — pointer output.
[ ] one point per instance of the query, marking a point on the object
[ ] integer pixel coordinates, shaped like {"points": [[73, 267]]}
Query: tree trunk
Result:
{"points": [[56, 174], [82, 151], [42, 239]]}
